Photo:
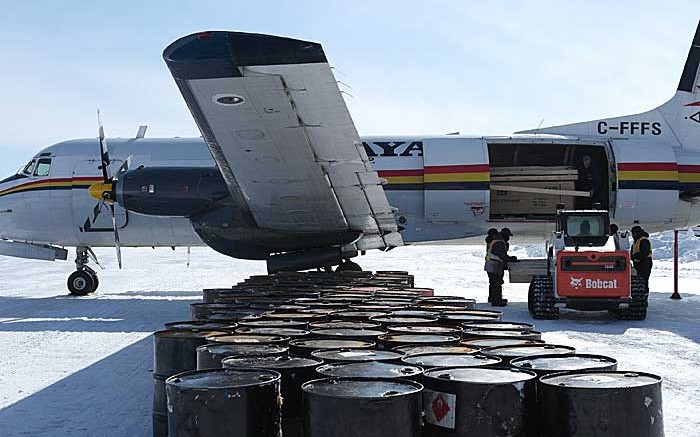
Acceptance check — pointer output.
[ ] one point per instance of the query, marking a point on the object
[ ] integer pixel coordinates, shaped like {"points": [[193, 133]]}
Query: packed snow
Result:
{"points": [[81, 367]]}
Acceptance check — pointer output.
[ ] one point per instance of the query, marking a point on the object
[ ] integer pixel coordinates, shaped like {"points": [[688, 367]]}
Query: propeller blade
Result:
{"points": [[96, 211], [104, 152], [124, 167], [116, 236]]}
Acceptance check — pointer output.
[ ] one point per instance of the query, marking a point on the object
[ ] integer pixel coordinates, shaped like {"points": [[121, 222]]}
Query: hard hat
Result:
{"points": [[506, 232], [637, 229]]}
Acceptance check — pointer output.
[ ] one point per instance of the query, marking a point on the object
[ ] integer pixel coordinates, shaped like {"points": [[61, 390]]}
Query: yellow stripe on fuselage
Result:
{"points": [[666, 175]]}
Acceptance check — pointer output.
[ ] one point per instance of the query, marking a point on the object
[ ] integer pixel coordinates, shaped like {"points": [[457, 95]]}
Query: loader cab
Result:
{"points": [[583, 228]]}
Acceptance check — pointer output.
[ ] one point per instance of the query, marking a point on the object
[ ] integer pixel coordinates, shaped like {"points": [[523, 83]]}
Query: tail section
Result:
{"points": [[676, 122]]}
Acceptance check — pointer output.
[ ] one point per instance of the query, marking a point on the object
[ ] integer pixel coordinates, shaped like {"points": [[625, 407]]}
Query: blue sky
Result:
{"points": [[414, 67]]}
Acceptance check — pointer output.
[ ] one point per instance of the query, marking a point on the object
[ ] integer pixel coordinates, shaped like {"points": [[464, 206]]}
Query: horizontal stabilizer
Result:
{"points": [[43, 252]]}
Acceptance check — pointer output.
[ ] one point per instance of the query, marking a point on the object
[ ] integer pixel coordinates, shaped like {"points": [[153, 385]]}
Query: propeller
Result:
{"points": [[104, 191]]}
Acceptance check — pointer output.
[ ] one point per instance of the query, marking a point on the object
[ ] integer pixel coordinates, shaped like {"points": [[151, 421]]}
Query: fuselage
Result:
{"points": [[442, 187]]}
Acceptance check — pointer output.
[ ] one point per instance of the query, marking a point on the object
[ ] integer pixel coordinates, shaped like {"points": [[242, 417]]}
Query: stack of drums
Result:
{"points": [[321, 354], [175, 351]]}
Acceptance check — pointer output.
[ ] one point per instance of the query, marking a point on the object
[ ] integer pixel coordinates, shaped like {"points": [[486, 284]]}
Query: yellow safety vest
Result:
{"points": [[637, 244], [489, 255]]}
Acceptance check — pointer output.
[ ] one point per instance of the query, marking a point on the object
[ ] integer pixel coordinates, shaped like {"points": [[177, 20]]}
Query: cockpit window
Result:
{"points": [[29, 168], [43, 167]]}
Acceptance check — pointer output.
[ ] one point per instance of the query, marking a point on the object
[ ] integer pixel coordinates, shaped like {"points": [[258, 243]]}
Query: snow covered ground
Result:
{"points": [[80, 367]]}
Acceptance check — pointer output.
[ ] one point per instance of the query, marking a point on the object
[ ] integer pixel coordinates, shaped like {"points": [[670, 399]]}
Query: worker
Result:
{"points": [[506, 234], [496, 264], [641, 254], [613, 233], [584, 229], [489, 237], [588, 180]]}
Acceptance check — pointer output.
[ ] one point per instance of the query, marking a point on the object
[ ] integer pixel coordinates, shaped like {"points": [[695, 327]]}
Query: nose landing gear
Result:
{"points": [[84, 280]]}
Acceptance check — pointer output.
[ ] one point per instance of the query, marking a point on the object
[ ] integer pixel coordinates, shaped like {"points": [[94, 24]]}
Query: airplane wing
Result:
{"points": [[271, 113]]}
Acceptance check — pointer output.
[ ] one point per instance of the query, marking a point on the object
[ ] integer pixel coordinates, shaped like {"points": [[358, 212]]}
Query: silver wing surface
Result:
{"points": [[271, 113]]}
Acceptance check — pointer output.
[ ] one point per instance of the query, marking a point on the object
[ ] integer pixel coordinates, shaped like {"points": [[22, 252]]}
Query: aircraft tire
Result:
{"points": [[81, 283], [96, 282], [542, 298]]}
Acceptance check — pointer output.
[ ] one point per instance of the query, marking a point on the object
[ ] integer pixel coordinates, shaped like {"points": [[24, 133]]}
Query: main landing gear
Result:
{"points": [[348, 266], [84, 280]]}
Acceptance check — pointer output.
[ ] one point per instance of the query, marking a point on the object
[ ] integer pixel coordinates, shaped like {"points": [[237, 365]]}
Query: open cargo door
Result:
{"points": [[456, 180]]}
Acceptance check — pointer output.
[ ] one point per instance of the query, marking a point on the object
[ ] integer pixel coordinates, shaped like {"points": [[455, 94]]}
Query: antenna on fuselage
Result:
{"points": [[142, 131]]}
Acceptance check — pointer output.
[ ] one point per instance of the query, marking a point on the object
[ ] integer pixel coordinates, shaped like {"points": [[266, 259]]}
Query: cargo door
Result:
{"points": [[456, 180], [647, 181]]}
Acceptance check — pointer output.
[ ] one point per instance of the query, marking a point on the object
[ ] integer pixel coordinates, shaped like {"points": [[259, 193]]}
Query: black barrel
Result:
{"points": [[357, 315], [547, 364], [428, 349], [465, 303], [273, 323], [610, 404], [224, 402], [304, 347], [360, 407], [175, 351], [414, 313], [390, 341], [392, 320], [295, 371], [429, 361], [160, 407], [474, 401], [456, 318], [202, 325], [210, 355], [426, 329], [349, 333], [298, 316], [221, 311], [501, 333], [494, 342], [248, 339], [283, 332], [344, 324], [507, 353], [355, 355], [509, 326], [370, 369]]}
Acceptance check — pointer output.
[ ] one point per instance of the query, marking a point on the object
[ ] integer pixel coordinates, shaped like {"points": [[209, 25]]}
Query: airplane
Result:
{"points": [[280, 173]]}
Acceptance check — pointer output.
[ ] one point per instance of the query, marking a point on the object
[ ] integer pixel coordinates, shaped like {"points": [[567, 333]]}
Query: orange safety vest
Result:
{"points": [[637, 244]]}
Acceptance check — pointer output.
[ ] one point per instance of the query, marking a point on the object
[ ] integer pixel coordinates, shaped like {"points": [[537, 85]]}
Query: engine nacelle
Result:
{"points": [[170, 191]]}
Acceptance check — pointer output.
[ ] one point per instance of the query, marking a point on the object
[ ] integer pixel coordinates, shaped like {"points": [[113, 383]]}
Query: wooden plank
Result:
{"points": [[533, 170], [533, 178], [540, 191]]}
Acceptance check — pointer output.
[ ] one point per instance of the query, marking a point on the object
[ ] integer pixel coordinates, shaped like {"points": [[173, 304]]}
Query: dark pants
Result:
{"points": [[495, 286], [644, 272]]}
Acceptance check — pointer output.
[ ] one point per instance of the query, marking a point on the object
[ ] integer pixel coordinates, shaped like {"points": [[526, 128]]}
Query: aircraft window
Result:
{"points": [[43, 167], [29, 168]]}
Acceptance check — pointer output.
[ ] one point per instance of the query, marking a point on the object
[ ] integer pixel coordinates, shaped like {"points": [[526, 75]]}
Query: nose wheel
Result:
{"points": [[84, 280]]}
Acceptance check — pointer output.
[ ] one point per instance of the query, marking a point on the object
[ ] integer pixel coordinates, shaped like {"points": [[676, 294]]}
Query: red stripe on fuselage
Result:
{"points": [[411, 172], [647, 166], [470, 168]]}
